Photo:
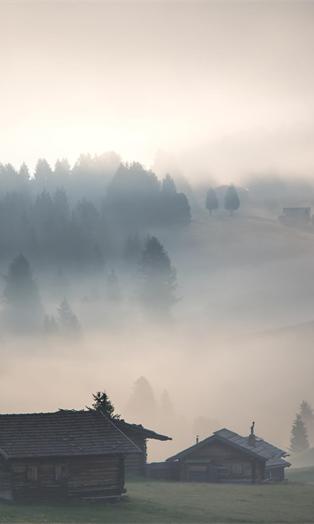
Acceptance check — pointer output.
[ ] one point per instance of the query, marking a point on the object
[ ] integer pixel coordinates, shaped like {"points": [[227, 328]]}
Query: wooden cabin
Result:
{"points": [[61, 455], [135, 464], [225, 456], [296, 216]]}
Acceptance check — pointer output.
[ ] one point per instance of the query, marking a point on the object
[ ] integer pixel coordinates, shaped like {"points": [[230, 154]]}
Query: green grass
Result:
{"points": [[170, 503], [301, 474]]}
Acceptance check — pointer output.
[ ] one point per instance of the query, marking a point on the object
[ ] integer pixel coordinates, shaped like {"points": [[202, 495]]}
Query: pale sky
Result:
{"points": [[216, 87]]}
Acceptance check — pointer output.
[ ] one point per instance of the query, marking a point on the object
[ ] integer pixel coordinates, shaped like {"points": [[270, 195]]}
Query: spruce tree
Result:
{"points": [[307, 416], [211, 200], [23, 308], [42, 173], [299, 439], [103, 403], [168, 185], [231, 200], [142, 403], [159, 279], [67, 320]]}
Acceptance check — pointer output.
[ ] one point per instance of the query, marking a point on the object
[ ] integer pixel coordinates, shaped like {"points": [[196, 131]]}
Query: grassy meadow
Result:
{"points": [[165, 503]]}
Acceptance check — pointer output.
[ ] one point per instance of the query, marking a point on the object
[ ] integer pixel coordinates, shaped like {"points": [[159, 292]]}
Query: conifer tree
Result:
{"points": [[307, 416], [103, 403], [168, 185], [142, 403], [42, 173], [23, 308], [159, 278], [67, 320], [299, 439], [231, 200]]}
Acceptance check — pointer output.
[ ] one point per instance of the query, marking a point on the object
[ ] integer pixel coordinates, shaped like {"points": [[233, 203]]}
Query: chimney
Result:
{"points": [[197, 439], [252, 439]]}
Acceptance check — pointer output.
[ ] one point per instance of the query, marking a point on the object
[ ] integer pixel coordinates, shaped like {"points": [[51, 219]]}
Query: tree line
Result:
{"points": [[81, 216], [23, 310]]}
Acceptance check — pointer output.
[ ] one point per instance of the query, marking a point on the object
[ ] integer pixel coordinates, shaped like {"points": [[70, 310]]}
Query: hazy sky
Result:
{"points": [[215, 87]]}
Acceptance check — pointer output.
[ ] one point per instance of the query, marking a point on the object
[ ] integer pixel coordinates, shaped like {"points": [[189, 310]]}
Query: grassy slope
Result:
{"points": [[157, 502]]}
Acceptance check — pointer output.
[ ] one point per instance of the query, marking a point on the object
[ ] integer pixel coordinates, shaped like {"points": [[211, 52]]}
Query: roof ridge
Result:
{"points": [[40, 413]]}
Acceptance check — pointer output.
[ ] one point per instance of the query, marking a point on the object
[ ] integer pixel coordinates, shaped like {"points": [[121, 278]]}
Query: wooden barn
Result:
{"points": [[77, 454], [135, 464], [225, 456]]}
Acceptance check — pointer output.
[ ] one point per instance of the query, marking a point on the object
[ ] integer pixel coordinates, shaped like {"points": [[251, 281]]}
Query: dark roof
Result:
{"points": [[139, 429], [266, 452], [276, 462], [262, 448], [63, 433]]}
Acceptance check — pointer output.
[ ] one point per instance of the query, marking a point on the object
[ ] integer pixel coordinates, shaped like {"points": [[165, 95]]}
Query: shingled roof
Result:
{"points": [[262, 450], [139, 429], [64, 433]]}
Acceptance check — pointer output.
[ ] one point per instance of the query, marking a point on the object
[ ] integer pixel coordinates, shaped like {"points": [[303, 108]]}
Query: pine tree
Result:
{"points": [[103, 403], [211, 200], [159, 278], [231, 200], [307, 416], [62, 171], [23, 308], [299, 439], [168, 185], [24, 172], [142, 403], [67, 320], [43, 173]]}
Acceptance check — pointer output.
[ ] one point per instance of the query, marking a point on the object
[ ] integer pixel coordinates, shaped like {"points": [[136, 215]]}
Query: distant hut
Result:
{"points": [[225, 456], [295, 216], [67, 454]]}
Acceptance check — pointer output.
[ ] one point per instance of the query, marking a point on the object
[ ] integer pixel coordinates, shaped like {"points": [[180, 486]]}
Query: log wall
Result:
{"points": [[77, 477], [5, 480], [135, 463]]}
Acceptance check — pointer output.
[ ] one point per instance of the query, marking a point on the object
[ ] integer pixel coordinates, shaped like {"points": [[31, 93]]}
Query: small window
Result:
{"points": [[61, 472], [237, 469], [32, 473]]}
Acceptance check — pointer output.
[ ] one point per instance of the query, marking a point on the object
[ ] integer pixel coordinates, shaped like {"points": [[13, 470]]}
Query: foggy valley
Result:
{"points": [[242, 300], [156, 261]]}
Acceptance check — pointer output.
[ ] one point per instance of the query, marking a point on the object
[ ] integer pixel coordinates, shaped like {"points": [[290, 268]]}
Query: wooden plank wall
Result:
{"points": [[84, 476]]}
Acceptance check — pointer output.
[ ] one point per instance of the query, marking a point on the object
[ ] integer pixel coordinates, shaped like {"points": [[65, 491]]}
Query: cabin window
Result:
{"points": [[237, 469], [61, 472], [32, 473]]}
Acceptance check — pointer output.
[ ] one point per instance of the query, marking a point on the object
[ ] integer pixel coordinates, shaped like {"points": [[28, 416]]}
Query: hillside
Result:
{"points": [[252, 272]]}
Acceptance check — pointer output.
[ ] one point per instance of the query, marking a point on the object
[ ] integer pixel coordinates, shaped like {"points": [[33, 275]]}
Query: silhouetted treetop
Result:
{"points": [[103, 403], [231, 200]]}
